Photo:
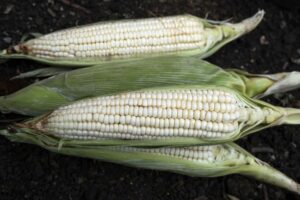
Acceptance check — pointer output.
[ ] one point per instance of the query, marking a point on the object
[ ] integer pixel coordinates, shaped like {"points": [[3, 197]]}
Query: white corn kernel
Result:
{"points": [[122, 116]]}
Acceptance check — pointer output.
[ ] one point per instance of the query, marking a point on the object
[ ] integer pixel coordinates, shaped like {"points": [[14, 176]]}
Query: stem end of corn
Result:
{"points": [[292, 116]]}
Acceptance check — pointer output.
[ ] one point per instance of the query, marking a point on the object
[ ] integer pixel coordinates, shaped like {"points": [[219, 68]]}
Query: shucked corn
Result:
{"points": [[86, 45], [162, 113]]}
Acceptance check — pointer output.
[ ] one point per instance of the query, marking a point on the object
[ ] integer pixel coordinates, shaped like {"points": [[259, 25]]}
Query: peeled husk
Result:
{"points": [[137, 157]]}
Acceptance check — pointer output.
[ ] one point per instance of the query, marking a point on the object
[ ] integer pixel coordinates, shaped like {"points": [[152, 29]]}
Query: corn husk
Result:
{"points": [[219, 34], [244, 163], [49, 94]]}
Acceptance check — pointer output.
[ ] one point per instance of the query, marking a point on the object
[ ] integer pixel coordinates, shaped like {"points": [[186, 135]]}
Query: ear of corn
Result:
{"points": [[183, 35], [199, 161], [182, 114], [107, 79]]}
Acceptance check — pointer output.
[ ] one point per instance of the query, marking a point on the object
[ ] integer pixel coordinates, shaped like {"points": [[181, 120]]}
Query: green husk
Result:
{"points": [[49, 94], [217, 34], [245, 164]]}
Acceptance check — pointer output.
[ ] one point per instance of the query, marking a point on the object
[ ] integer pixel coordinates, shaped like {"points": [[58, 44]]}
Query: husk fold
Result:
{"points": [[249, 166], [49, 94], [219, 34]]}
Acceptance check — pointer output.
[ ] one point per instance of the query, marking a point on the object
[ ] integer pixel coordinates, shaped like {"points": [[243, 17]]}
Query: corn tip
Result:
{"points": [[249, 24]]}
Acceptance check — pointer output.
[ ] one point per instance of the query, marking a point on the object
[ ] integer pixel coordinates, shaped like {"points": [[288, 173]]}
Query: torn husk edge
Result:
{"points": [[251, 166], [42, 72], [236, 30], [218, 35]]}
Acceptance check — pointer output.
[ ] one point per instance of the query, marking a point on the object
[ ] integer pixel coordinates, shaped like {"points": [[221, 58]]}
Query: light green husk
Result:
{"points": [[220, 33], [49, 94], [246, 164]]}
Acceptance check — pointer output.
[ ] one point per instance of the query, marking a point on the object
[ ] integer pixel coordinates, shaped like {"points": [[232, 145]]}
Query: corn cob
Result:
{"points": [[120, 39], [213, 114], [139, 115], [91, 44]]}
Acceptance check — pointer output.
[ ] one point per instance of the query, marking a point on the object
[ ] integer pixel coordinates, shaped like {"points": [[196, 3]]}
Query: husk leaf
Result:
{"points": [[107, 79]]}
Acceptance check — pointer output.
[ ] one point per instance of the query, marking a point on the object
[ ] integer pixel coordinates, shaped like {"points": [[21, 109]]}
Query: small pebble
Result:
{"points": [[295, 61], [7, 40], [51, 12], [263, 40], [8, 9], [282, 24], [285, 65]]}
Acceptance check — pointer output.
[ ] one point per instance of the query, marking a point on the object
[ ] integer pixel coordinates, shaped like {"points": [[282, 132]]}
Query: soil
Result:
{"points": [[29, 172]]}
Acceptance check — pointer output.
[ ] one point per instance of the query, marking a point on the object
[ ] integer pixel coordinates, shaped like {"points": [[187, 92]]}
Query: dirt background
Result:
{"points": [[29, 172]]}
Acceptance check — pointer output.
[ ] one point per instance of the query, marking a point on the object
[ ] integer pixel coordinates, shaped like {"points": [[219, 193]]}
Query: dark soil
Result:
{"points": [[29, 172]]}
